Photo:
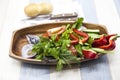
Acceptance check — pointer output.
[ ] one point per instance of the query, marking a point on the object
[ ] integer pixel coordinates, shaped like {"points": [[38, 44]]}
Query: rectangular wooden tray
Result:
{"points": [[19, 38]]}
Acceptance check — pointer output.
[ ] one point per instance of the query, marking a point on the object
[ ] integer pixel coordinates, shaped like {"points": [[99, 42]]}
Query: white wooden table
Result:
{"points": [[106, 12]]}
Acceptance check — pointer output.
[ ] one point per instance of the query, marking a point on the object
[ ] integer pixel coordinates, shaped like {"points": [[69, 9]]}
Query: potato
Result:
{"points": [[33, 9], [46, 8]]}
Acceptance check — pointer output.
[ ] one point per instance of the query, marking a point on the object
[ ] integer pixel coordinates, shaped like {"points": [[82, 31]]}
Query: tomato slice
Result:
{"points": [[56, 31], [88, 54]]}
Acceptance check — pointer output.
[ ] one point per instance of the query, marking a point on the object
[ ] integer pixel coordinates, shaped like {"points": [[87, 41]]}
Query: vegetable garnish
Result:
{"points": [[69, 43]]}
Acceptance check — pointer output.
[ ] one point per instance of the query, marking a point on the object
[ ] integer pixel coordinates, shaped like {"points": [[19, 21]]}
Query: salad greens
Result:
{"points": [[55, 49], [70, 45], [78, 23], [58, 49]]}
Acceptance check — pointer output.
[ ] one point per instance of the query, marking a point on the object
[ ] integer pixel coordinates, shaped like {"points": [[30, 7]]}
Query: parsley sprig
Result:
{"points": [[58, 50]]}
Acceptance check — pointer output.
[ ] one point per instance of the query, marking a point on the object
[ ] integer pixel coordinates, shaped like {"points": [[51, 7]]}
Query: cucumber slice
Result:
{"points": [[94, 35], [92, 30], [101, 50]]}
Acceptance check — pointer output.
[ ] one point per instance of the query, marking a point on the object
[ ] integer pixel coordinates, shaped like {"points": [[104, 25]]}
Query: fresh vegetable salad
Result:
{"points": [[69, 43]]}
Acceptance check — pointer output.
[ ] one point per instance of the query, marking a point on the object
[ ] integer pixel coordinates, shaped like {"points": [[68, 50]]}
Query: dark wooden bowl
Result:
{"points": [[19, 39]]}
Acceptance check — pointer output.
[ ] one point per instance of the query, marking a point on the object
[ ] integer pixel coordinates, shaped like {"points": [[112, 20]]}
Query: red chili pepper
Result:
{"points": [[109, 46], [75, 39], [108, 36], [88, 54], [99, 42], [105, 42], [83, 34]]}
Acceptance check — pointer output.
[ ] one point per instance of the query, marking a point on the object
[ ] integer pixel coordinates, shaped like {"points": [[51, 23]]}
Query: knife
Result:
{"points": [[54, 16]]}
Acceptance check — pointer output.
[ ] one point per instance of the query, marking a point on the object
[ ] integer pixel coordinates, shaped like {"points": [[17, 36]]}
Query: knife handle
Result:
{"points": [[65, 15]]}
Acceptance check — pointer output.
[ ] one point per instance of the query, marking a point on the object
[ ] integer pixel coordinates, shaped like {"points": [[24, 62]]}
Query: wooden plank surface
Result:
{"points": [[3, 8], [108, 16], [11, 12], [95, 11]]}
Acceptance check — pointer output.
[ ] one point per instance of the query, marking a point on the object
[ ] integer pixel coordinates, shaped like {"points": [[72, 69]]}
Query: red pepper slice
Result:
{"points": [[89, 54], [75, 39], [110, 43], [83, 34], [109, 46], [108, 36], [99, 42], [56, 31]]}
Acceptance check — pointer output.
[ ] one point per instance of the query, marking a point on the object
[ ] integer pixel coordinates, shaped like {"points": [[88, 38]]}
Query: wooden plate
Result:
{"points": [[19, 39]]}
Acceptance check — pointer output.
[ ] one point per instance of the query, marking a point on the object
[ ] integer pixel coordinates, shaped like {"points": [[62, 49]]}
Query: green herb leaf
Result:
{"points": [[60, 64], [79, 49], [90, 40], [78, 23]]}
